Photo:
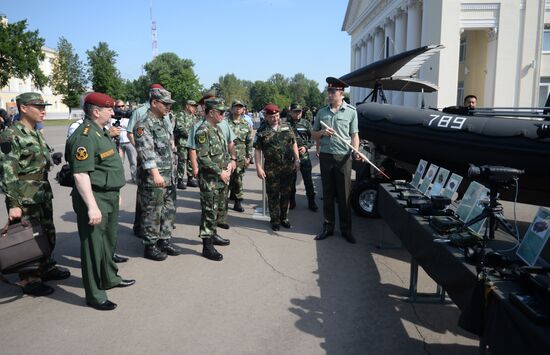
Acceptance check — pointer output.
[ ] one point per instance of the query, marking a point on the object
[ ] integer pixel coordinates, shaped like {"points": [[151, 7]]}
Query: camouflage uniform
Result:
{"points": [[302, 130], [308, 115], [278, 166], [24, 164], [183, 123], [243, 145], [212, 157], [153, 137]]}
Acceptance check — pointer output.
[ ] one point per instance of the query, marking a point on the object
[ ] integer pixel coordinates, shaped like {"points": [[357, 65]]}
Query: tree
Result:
{"points": [[232, 88], [176, 75], [21, 54], [263, 93], [103, 73], [68, 77]]}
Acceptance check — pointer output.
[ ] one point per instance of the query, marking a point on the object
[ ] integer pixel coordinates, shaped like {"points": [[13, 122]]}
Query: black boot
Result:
{"points": [[328, 230], [181, 185], [192, 182], [292, 202], [217, 240], [238, 207], [311, 203], [154, 253], [169, 248], [208, 250]]}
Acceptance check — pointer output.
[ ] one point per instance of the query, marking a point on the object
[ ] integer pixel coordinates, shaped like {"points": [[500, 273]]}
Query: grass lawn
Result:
{"points": [[60, 122]]}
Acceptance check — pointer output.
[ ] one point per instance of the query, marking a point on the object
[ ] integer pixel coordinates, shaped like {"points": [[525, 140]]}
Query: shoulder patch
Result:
{"points": [[81, 153], [5, 146], [139, 132], [201, 136]]}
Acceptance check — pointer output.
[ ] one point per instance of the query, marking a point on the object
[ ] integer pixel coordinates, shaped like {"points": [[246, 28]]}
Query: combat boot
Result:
{"points": [[165, 246], [217, 240], [181, 185], [152, 252], [192, 182], [292, 202], [311, 203], [238, 207], [208, 250]]}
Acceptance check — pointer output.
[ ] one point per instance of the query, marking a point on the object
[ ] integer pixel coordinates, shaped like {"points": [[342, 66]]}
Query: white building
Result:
{"points": [[498, 50]]}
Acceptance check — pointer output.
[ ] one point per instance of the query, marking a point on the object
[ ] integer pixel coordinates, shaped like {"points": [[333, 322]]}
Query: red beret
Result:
{"points": [[270, 109], [156, 86], [99, 99]]}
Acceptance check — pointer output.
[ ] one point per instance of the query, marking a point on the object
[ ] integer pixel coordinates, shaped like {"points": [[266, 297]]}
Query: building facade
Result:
{"points": [[496, 50]]}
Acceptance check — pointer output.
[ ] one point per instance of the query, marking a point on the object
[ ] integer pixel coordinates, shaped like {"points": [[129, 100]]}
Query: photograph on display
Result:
{"points": [[439, 182], [430, 175], [472, 204], [452, 185], [535, 238], [417, 177]]}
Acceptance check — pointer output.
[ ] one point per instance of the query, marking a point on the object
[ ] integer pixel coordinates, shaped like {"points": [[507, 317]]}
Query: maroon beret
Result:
{"points": [[156, 86], [99, 99], [270, 109]]}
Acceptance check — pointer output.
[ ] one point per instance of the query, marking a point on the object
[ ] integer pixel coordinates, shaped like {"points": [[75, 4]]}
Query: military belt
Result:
{"points": [[36, 177], [104, 189]]}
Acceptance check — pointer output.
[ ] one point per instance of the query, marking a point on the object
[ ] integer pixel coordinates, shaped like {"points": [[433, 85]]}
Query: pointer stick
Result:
{"points": [[357, 151]]}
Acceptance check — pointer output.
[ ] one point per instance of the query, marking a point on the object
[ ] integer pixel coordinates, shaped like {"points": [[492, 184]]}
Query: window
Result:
{"points": [[546, 38], [460, 94], [544, 89], [462, 53]]}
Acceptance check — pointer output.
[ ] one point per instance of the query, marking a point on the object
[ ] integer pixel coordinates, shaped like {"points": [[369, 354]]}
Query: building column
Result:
{"points": [[489, 90], [400, 45], [414, 31], [378, 44], [355, 96]]}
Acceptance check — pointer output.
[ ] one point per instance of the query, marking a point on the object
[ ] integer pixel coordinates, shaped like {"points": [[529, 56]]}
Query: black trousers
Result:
{"points": [[336, 179]]}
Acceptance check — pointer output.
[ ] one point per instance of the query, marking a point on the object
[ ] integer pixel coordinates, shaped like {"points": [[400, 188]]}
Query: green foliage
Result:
{"points": [[137, 90], [262, 93], [103, 73], [21, 54], [68, 77], [231, 88], [176, 75]]}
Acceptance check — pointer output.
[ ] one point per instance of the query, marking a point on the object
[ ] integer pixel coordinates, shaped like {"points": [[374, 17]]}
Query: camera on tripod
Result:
{"points": [[497, 174]]}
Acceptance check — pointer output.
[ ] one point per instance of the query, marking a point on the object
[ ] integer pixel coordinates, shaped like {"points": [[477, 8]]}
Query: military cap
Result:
{"points": [[99, 99], [207, 95], [156, 86], [336, 83], [271, 109], [237, 103], [161, 95], [191, 102], [295, 107], [31, 98], [214, 104]]}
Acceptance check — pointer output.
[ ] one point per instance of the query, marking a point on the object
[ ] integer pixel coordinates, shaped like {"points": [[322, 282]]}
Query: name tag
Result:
{"points": [[107, 154], [283, 129]]}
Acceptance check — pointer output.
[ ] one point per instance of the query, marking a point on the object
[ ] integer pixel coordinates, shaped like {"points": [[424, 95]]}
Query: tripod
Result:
{"points": [[377, 92]]}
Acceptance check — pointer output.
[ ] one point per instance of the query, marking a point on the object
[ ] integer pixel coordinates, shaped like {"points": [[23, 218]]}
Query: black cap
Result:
{"points": [[336, 83]]}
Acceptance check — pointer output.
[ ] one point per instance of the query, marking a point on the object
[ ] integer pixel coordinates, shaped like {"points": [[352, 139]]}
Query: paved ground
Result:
{"points": [[274, 293]]}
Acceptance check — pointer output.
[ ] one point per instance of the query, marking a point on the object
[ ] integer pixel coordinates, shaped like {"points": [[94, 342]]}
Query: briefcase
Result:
{"points": [[22, 243]]}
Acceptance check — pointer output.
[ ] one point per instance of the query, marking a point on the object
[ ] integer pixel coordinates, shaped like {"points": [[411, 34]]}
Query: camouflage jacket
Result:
{"points": [[243, 142], [153, 138], [212, 152], [302, 131], [24, 164], [276, 146], [183, 123]]}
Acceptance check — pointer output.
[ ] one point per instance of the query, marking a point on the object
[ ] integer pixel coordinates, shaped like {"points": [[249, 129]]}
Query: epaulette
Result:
{"points": [[86, 129], [351, 107]]}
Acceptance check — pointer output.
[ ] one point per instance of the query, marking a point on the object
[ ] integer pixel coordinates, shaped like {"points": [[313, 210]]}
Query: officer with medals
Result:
{"points": [[277, 142], [99, 176]]}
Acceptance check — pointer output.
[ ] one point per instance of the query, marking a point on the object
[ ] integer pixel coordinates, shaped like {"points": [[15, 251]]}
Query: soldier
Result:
{"points": [[215, 168], [277, 142], [243, 145], [334, 157], [184, 121], [308, 115], [24, 165], [302, 131], [99, 175], [156, 177]]}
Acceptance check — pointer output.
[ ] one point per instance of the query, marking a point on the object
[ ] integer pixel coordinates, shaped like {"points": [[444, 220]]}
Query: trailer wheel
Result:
{"points": [[364, 199]]}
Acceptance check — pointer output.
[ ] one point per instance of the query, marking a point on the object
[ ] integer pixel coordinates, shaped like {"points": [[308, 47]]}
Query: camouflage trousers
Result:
{"points": [[213, 201], [278, 188], [236, 182], [42, 213], [184, 165], [158, 212], [223, 204], [305, 169]]}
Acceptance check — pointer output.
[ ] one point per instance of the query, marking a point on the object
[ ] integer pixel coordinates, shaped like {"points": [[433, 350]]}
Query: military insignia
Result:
{"points": [[107, 154], [139, 131], [86, 130], [201, 138], [81, 153], [5, 146], [283, 129]]}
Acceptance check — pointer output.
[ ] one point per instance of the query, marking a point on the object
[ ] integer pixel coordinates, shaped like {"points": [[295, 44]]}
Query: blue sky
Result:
{"points": [[251, 38]]}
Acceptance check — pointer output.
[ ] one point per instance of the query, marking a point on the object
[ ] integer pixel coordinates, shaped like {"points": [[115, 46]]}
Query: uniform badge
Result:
{"points": [[139, 131], [201, 138], [81, 153], [5, 146], [86, 130]]}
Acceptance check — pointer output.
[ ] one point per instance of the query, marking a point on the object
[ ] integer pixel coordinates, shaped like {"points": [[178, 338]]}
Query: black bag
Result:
{"points": [[65, 176], [22, 243]]}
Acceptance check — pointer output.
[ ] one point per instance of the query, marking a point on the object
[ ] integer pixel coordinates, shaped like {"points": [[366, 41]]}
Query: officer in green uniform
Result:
{"points": [[215, 168], [243, 147], [24, 164], [277, 142], [334, 157], [302, 131], [183, 122], [98, 175]]}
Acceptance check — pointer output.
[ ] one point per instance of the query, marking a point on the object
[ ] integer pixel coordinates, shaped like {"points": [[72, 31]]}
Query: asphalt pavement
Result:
{"points": [[274, 293]]}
